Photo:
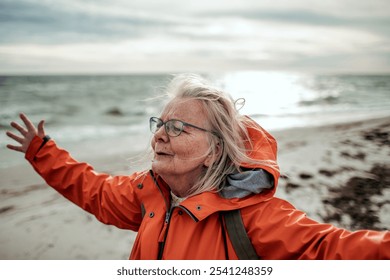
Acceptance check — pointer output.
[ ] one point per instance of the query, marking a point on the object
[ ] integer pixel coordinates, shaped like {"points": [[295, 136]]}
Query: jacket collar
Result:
{"points": [[205, 204], [202, 205]]}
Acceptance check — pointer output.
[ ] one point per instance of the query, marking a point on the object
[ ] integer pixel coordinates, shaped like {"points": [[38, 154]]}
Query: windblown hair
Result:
{"points": [[229, 146]]}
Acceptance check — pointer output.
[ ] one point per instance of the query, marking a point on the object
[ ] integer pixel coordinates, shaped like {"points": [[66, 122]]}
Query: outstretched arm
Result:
{"points": [[112, 199], [282, 232]]}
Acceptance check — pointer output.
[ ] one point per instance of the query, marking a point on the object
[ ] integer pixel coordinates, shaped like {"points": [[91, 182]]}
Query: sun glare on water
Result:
{"points": [[273, 98]]}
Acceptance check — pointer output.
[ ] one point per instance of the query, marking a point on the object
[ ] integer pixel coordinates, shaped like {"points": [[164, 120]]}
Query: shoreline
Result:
{"points": [[322, 170]]}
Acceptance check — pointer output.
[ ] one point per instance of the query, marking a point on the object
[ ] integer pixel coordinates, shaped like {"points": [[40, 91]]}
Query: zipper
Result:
{"points": [[167, 221], [161, 245], [168, 215]]}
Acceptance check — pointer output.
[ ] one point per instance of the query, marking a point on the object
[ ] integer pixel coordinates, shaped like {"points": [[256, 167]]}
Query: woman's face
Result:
{"points": [[180, 160]]}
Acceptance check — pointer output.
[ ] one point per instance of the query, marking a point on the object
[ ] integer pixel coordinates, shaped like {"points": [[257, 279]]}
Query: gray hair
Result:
{"points": [[230, 146]]}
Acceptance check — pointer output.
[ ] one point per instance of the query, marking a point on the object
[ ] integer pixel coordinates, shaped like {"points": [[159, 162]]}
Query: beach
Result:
{"points": [[337, 173]]}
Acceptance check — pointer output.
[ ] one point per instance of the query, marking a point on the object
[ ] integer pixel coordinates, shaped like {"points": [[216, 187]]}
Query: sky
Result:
{"points": [[123, 36]]}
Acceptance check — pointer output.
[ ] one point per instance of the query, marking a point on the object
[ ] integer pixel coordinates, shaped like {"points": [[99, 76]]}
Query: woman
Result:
{"points": [[207, 160]]}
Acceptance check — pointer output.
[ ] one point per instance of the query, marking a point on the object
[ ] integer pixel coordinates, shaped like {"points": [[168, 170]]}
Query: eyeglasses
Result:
{"points": [[172, 127]]}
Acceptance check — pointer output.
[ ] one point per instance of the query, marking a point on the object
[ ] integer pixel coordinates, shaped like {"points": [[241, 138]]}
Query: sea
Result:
{"points": [[80, 108]]}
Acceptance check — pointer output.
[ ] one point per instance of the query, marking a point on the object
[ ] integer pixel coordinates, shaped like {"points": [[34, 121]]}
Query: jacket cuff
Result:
{"points": [[36, 144]]}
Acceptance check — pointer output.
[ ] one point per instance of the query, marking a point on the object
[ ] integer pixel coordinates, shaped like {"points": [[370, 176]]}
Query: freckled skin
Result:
{"points": [[186, 155]]}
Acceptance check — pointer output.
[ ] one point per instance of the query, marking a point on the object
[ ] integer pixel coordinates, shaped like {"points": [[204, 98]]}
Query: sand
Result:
{"points": [[338, 174]]}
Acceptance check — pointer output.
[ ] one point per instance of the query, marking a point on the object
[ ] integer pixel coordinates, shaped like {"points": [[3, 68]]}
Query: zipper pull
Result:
{"points": [[167, 216]]}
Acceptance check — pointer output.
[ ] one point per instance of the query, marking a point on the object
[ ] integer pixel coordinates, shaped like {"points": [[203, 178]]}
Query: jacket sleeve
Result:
{"points": [[282, 232], [112, 199]]}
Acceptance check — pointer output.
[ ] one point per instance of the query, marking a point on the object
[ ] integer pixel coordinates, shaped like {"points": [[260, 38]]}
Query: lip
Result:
{"points": [[161, 150], [160, 153]]}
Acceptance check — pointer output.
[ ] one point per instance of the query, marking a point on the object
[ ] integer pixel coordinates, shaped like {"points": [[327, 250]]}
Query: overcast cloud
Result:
{"points": [[71, 36]]}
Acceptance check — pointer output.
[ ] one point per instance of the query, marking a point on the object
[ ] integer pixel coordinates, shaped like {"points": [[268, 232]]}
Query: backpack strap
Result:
{"points": [[238, 235]]}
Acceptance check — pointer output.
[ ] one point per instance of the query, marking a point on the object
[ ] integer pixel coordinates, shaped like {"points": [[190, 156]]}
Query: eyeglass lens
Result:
{"points": [[172, 127]]}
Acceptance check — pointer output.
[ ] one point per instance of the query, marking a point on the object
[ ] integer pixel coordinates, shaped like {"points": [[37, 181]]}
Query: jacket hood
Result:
{"points": [[258, 177]]}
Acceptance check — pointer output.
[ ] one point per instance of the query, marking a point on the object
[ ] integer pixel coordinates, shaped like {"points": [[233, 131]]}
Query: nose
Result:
{"points": [[161, 134]]}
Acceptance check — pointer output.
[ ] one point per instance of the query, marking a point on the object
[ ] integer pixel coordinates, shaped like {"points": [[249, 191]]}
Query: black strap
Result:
{"points": [[45, 139], [221, 221], [238, 236]]}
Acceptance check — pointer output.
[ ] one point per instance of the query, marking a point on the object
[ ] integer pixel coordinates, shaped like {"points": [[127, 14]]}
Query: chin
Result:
{"points": [[157, 168]]}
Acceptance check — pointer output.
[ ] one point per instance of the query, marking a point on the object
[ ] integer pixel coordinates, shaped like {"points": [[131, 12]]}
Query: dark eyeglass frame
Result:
{"points": [[159, 122]]}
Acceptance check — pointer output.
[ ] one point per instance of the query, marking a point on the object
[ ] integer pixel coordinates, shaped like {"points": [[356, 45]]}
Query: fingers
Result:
{"points": [[41, 130], [27, 133], [19, 128], [15, 137], [29, 125], [15, 148]]}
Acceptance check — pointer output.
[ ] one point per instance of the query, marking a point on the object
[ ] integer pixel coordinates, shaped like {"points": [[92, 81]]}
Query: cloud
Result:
{"points": [[305, 17], [61, 35], [39, 22]]}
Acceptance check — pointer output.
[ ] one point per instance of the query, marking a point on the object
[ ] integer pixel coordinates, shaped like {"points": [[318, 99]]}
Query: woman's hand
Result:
{"points": [[27, 134]]}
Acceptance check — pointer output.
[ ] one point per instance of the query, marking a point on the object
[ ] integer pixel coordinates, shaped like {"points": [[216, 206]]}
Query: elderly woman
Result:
{"points": [[208, 160]]}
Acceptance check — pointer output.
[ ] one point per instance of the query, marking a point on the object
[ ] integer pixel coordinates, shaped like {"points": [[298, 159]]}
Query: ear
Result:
{"points": [[212, 157]]}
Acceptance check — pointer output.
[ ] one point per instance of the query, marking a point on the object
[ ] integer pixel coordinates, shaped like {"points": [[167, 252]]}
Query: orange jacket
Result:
{"points": [[193, 230]]}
